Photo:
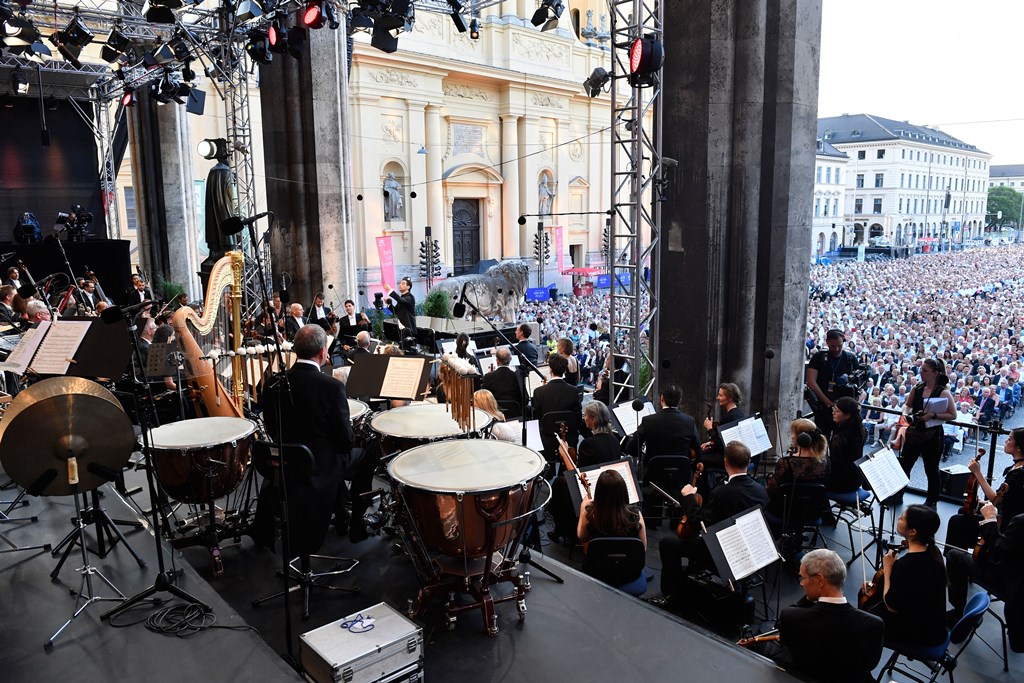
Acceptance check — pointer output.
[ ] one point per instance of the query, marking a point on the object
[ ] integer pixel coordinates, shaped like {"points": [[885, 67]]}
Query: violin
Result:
{"points": [[687, 526], [970, 506], [871, 593], [770, 636], [714, 423]]}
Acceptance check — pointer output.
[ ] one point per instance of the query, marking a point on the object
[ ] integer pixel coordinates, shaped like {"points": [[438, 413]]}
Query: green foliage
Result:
{"points": [[438, 304], [167, 288], [1005, 199], [377, 321]]}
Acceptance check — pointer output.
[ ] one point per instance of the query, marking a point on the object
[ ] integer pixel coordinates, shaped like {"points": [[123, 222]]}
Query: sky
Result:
{"points": [[958, 66]]}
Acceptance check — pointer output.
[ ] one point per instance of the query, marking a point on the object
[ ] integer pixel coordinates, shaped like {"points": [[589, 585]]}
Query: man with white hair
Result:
{"points": [[362, 347], [37, 311]]}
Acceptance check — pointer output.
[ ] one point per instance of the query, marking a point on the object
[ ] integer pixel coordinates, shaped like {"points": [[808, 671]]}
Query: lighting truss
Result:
{"points": [[636, 209]]}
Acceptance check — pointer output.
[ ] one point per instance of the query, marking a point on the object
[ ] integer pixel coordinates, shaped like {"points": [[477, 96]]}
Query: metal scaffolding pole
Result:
{"points": [[636, 175]]}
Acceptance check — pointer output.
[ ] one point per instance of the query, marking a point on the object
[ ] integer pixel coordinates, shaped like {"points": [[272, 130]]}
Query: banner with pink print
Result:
{"points": [[386, 254]]}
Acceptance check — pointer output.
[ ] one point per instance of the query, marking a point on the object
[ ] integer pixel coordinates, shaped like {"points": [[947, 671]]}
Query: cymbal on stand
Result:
{"points": [[61, 417]]}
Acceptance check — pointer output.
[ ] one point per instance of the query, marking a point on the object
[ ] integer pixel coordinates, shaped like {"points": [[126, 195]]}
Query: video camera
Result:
{"points": [[850, 384], [75, 222]]}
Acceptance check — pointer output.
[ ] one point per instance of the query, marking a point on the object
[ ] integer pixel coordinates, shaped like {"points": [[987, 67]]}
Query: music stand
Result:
{"points": [[886, 479]]}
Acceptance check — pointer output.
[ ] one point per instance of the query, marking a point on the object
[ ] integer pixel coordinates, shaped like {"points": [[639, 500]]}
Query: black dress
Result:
{"points": [[846, 447], [917, 591]]}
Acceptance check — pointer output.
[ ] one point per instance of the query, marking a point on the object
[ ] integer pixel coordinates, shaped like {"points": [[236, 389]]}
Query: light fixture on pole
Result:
{"points": [[19, 81], [456, 15], [599, 78], [474, 29], [548, 14], [646, 57]]}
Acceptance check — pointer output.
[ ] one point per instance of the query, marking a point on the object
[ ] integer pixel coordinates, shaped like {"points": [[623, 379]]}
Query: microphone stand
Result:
{"points": [[534, 531], [282, 389], [73, 282]]}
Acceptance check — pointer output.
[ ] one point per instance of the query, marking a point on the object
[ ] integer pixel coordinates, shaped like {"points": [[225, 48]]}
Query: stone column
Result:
{"points": [[741, 102], [527, 189], [435, 188], [510, 232], [178, 199]]}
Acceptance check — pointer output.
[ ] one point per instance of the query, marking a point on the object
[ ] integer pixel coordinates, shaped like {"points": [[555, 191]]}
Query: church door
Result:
{"points": [[465, 235]]}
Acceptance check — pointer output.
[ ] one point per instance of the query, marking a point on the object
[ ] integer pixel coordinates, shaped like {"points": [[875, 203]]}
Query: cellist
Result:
{"points": [[962, 529], [736, 495]]}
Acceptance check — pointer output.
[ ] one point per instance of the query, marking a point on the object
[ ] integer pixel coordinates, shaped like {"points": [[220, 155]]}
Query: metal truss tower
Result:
{"points": [[636, 172]]}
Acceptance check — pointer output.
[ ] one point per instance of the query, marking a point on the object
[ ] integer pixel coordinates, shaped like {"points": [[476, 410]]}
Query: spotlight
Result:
{"points": [[474, 29], [599, 77], [158, 13], [646, 57], [277, 38], [548, 14], [360, 20], [455, 14], [21, 38], [117, 44], [19, 81], [385, 40], [70, 41], [163, 54], [258, 47], [313, 14], [332, 16], [180, 45], [128, 97], [248, 10], [296, 41], [213, 148]]}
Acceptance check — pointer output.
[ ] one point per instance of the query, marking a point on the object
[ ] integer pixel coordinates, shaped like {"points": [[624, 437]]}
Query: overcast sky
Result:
{"points": [[953, 64]]}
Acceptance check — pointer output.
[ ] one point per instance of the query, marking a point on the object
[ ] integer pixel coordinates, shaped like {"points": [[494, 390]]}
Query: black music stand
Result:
{"points": [[367, 378]]}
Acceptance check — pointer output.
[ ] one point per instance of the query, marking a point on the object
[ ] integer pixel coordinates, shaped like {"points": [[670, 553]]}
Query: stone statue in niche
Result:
{"points": [[393, 207], [545, 196]]}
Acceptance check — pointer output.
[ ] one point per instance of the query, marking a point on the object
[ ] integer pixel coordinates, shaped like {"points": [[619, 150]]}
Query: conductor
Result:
{"points": [[405, 306]]}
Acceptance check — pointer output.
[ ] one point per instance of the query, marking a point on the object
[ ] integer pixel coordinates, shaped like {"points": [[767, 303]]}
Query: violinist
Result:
{"points": [[321, 315], [929, 404], [608, 513], [807, 463], [353, 322], [846, 447], [999, 570], [822, 635], [913, 590], [736, 495], [728, 399]]}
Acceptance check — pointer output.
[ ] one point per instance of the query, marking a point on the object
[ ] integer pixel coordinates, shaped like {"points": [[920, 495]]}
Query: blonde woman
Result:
{"points": [[484, 400], [808, 461]]}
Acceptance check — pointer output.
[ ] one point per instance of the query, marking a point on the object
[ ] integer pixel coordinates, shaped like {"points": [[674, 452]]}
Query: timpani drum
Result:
{"points": [[356, 409], [454, 488], [203, 459], [421, 423]]}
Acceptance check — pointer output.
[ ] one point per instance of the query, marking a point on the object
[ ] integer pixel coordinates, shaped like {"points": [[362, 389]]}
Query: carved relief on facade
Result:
{"points": [[547, 145], [468, 138], [540, 50], [430, 24], [490, 206], [391, 131], [466, 92], [394, 77], [548, 101], [575, 150]]}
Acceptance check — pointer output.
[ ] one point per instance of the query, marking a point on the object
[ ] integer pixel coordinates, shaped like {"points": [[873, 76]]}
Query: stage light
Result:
{"points": [[646, 57], [213, 148], [474, 29], [21, 38], [385, 40], [548, 14], [158, 13], [19, 81], [258, 47], [277, 38], [313, 14], [360, 20], [332, 16], [163, 54], [117, 44], [128, 97], [599, 77], [456, 15], [248, 10], [70, 41], [180, 45], [296, 41]]}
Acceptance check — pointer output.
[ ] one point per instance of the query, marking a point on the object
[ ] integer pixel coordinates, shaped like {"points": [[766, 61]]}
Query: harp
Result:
{"points": [[218, 332]]}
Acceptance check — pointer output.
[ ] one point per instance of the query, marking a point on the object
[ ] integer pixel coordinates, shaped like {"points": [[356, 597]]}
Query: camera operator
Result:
{"points": [[830, 375], [928, 405]]}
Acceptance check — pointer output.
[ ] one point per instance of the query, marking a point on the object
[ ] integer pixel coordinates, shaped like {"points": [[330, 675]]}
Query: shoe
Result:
{"points": [[953, 616], [658, 601]]}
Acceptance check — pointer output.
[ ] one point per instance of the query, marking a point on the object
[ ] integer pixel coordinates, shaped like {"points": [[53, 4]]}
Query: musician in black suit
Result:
{"points": [[353, 322], [138, 292], [525, 345], [362, 347], [729, 411], [557, 395], [667, 432], [320, 314], [822, 635], [7, 314], [316, 414], [293, 322], [738, 494], [998, 569], [405, 305], [504, 383]]}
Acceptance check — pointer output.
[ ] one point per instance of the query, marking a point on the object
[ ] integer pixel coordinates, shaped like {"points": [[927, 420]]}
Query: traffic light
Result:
{"points": [[606, 239], [430, 260]]}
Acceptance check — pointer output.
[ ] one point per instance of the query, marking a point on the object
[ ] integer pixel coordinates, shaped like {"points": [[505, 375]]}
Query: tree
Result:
{"points": [[1005, 199]]}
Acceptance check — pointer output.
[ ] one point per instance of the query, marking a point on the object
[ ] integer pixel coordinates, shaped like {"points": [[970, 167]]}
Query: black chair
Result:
{"points": [[510, 409], [550, 425], [299, 463], [619, 561], [797, 511], [670, 473], [844, 507]]}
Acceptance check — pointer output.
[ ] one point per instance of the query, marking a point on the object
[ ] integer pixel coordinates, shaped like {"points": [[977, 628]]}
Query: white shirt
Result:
{"points": [[309, 362], [320, 313], [298, 320], [833, 601]]}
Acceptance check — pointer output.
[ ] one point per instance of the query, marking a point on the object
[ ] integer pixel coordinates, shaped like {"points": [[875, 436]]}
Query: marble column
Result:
{"points": [[510, 229], [741, 102], [435, 187]]}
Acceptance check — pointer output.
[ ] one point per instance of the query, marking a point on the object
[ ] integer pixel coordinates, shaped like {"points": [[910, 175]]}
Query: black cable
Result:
{"points": [[182, 620]]}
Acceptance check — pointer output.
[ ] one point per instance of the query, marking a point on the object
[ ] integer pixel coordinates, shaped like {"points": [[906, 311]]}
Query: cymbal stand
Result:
{"points": [[106, 532], [164, 582], [85, 592]]}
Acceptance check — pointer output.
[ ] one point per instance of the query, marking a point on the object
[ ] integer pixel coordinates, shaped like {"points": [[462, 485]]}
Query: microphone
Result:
{"points": [[8, 256], [638, 404], [285, 296], [804, 440], [769, 353], [30, 288], [112, 314], [459, 309], [235, 224]]}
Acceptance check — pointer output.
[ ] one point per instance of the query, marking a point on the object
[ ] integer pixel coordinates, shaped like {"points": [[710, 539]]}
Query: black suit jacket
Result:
{"points": [[528, 349], [503, 382], [404, 309], [132, 296], [317, 416], [597, 449], [830, 642], [324, 322], [736, 495], [291, 327], [554, 396], [354, 353], [8, 316], [667, 432]]}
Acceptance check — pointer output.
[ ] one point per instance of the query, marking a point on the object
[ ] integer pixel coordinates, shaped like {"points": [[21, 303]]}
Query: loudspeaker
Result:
{"points": [[953, 479]]}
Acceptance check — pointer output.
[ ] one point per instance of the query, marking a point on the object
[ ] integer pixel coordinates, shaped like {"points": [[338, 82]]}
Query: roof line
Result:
{"points": [[877, 123]]}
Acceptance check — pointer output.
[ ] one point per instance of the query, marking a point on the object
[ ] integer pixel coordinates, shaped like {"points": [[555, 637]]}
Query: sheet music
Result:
{"points": [[20, 357], [628, 418], [747, 544], [751, 433], [402, 379], [533, 441], [884, 474], [59, 347], [620, 466]]}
